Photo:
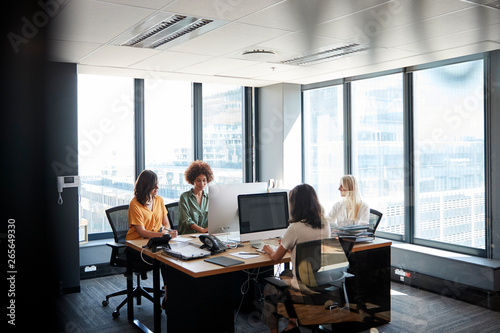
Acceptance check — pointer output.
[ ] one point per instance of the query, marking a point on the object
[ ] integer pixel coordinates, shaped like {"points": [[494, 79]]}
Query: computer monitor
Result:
{"points": [[262, 216], [223, 205]]}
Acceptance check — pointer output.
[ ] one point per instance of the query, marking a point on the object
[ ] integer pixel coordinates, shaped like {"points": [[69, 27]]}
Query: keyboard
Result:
{"points": [[260, 246]]}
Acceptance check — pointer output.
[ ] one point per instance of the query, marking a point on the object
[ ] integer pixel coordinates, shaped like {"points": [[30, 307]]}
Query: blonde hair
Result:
{"points": [[353, 197]]}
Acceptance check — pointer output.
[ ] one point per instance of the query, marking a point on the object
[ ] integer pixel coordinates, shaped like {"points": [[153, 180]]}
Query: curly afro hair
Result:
{"points": [[197, 168]]}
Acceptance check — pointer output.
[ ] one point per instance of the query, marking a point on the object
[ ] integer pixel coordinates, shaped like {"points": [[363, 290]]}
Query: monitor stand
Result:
{"points": [[258, 243]]}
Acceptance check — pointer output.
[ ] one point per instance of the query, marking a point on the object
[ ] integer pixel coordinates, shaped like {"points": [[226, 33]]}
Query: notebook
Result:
{"points": [[224, 261], [186, 251]]}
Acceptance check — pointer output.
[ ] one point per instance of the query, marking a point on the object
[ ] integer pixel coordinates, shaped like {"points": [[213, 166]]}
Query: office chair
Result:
{"points": [[118, 219], [375, 217], [321, 271], [173, 214]]}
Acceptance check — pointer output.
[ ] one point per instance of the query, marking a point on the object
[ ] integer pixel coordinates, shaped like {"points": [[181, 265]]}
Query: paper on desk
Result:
{"points": [[244, 256], [181, 239]]}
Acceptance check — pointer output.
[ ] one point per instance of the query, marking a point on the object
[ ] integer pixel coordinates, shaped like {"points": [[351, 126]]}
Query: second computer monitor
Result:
{"points": [[223, 205], [262, 216]]}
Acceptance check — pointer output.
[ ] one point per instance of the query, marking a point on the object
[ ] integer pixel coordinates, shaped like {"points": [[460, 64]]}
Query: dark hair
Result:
{"points": [[146, 182], [305, 206], [197, 168]]}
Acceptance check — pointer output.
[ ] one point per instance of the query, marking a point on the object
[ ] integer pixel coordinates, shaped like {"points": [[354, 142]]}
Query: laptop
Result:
{"points": [[186, 251]]}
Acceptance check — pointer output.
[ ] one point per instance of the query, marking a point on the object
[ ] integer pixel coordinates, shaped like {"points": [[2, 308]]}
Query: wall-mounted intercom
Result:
{"points": [[66, 181]]}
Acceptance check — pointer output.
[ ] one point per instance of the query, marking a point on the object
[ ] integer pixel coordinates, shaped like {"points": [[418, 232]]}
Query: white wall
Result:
{"points": [[280, 134]]}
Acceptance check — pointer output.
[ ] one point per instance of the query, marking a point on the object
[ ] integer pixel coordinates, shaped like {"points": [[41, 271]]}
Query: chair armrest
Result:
{"points": [[116, 245], [279, 284]]}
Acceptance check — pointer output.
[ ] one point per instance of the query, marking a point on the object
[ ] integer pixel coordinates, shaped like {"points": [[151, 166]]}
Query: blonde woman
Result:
{"points": [[351, 209]]}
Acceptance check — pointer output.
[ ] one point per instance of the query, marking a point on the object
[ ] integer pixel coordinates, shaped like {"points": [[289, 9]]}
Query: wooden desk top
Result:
{"points": [[199, 268], [377, 243]]}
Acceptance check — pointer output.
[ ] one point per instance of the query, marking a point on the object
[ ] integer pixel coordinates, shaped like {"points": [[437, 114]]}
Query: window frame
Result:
{"points": [[249, 103], [408, 137]]}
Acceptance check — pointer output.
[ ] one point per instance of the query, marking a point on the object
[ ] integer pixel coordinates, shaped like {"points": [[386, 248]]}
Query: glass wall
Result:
{"points": [[437, 120], [168, 134], [377, 146], [324, 141], [223, 132], [449, 154], [107, 142], [105, 146]]}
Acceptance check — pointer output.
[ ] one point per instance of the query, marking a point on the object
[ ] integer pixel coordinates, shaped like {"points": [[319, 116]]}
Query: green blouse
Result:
{"points": [[191, 212]]}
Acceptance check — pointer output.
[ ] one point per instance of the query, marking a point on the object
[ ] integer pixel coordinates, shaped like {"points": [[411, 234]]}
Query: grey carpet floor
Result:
{"points": [[413, 310]]}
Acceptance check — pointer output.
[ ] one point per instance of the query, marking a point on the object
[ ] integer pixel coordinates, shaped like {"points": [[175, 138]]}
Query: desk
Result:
{"points": [[200, 294]]}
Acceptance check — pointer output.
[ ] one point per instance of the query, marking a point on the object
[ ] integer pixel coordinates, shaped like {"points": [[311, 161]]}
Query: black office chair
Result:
{"points": [[118, 219], [375, 218], [173, 214], [321, 271]]}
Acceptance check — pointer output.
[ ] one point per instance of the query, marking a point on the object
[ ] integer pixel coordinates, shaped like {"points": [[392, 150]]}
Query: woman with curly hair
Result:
{"points": [[193, 204]]}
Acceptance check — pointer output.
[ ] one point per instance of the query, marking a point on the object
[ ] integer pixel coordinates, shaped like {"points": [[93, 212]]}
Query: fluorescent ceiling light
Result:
{"points": [[161, 30], [326, 55], [154, 30], [181, 32]]}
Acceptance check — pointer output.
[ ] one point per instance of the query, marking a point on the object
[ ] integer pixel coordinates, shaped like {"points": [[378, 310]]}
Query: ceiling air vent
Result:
{"points": [[261, 55], [161, 30], [326, 55]]}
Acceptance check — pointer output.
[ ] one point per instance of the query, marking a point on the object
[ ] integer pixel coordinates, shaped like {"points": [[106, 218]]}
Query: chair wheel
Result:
{"points": [[105, 303], [116, 314]]}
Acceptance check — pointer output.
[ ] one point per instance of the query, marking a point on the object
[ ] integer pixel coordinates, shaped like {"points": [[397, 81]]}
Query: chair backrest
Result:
{"points": [[320, 261], [118, 219], [173, 214], [375, 217]]}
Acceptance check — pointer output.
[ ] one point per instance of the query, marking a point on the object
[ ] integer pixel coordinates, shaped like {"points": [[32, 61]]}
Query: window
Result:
{"points": [[377, 146], [324, 141], [223, 132], [449, 154], [168, 134], [416, 148], [105, 146]]}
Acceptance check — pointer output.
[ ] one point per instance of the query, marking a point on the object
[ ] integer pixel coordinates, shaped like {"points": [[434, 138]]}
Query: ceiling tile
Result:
{"points": [[225, 10], [117, 56], [217, 65], [152, 4], [67, 51], [228, 38], [94, 22], [170, 61]]}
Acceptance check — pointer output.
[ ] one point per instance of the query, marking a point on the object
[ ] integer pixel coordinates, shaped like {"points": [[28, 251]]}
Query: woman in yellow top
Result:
{"points": [[147, 218]]}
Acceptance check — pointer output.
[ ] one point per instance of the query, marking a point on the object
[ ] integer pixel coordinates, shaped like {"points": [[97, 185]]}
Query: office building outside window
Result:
{"points": [[378, 147], [105, 146], [168, 134], [324, 141], [449, 154], [223, 132]]}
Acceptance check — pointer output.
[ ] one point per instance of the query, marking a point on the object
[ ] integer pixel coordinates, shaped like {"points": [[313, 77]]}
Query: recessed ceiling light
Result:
{"points": [[326, 54], [164, 30]]}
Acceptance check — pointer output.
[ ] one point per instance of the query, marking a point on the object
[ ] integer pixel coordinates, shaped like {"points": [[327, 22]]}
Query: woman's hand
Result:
{"points": [[172, 233], [275, 255], [269, 250]]}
